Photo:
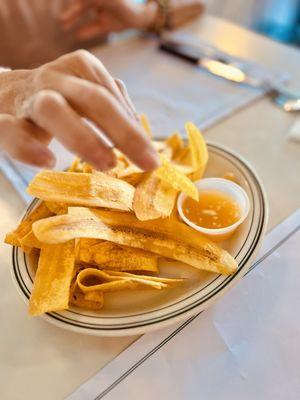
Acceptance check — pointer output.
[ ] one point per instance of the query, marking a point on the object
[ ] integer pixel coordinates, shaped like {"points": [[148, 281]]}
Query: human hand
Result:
{"points": [[179, 12], [53, 100], [108, 16]]}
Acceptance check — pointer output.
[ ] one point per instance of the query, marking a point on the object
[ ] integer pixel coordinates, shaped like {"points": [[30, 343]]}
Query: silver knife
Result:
{"points": [[231, 68]]}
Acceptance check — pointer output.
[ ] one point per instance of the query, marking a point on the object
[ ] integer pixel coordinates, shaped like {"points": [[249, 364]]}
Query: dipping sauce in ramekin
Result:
{"points": [[222, 207]]}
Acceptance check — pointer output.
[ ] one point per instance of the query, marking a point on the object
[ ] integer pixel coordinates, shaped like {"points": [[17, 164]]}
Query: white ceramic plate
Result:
{"points": [[135, 312]]}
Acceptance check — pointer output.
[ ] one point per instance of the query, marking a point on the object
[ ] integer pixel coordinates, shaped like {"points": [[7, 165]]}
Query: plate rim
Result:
{"points": [[181, 313]]}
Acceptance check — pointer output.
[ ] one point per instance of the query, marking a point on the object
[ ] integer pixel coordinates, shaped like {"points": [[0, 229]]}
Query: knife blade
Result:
{"points": [[217, 64]]}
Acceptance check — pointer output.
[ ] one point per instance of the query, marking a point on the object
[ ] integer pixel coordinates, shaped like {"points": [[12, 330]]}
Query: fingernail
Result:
{"points": [[149, 160], [108, 166], [105, 165], [49, 162]]}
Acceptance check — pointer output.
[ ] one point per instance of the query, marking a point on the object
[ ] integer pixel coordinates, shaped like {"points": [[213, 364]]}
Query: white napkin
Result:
{"points": [[173, 91], [246, 347]]}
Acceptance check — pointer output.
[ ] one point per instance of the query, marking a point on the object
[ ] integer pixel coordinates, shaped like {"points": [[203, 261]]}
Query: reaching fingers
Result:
{"points": [[120, 15], [181, 12], [102, 25], [18, 139], [87, 66], [37, 132], [78, 11], [132, 14], [79, 88], [91, 30], [70, 129], [74, 10], [98, 104], [125, 94]]}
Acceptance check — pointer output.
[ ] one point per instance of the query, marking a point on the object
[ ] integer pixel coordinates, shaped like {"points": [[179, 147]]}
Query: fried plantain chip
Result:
{"points": [[167, 238], [153, 198], [87, 168], [184, 157], [134, 179], [120, 166], [129, 170], [29, 242], [57, 208], [198, 148], [41, 211], [184, 169], [166, 153], [95, 296], [91, 279], [53, 277], [175, 143], [145, 278], [121, 258], [80, 166], [89, 301], [131, 174], [169, 174], [82, 249], [98, 189], [159, 145], [76, 165], [83, 246], [12, 239]]}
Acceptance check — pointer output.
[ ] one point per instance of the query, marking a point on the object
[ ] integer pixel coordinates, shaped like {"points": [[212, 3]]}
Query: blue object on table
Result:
{"points": [[279, 20]]}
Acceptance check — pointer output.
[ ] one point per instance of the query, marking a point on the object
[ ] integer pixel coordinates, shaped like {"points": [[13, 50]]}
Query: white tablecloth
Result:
{"points": [[245, 347]]}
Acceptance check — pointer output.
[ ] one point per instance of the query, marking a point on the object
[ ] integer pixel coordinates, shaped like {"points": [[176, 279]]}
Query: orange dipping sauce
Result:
{"points": [[214, 210]]}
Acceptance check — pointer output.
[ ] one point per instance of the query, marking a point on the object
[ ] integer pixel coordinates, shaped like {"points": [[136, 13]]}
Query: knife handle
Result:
{"points": [[181, 50], [189, 52]]}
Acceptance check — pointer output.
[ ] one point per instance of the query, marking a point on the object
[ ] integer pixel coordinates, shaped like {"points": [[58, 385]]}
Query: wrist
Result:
{"points": [[12, 87]]}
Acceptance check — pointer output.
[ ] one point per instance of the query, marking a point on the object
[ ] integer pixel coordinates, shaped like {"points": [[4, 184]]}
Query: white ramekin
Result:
{"points": [[236, 192]]}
